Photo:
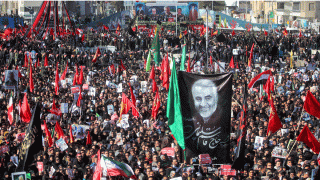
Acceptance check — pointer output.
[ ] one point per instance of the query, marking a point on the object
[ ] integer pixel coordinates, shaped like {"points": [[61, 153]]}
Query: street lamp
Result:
{"points": [[31, 11]]}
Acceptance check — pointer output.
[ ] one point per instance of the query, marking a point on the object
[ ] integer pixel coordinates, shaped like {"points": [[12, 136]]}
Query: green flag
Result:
{"points": [[148, 66], [174, 113], [220, 21], [156, 47], [225, 22], [28, 176], [183, 58]]}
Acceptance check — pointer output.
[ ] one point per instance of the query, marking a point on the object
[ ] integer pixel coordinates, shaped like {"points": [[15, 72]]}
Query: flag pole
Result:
{"points": [[295, 135]]}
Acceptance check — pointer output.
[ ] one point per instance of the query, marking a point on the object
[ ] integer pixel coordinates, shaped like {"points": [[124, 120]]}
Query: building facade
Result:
{"points": [[294, 13]]}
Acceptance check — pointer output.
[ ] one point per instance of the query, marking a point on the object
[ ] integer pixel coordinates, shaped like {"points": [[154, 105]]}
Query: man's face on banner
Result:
{"points": [[154, 11], [205, 96]]}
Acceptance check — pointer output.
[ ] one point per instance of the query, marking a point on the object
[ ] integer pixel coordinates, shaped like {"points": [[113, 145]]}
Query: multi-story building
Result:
{"points": [[9, 7], [290, 13]]}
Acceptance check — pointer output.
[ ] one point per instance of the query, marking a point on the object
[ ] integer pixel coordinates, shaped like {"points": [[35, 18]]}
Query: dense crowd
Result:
{"points": [[141, 143]]}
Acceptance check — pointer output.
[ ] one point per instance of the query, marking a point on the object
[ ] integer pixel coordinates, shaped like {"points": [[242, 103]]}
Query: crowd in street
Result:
{"points": [[140, 144]]}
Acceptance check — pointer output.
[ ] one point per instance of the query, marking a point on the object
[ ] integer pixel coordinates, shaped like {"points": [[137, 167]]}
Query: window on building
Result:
{"points": [[296, 6], [311, 6], [280, 5]]}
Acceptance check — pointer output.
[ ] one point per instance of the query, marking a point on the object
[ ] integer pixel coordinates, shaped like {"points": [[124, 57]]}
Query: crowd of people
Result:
{"points": [[140, 144]]}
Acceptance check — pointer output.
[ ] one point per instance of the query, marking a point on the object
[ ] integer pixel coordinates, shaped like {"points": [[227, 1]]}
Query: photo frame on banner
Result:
{"points": [[11, 79], [206, 131], [61, 143], [125, 121], [144, 87], [110, 109], [64, 107], [19, 176], [279, 152], [79, 131], [258, 142]]}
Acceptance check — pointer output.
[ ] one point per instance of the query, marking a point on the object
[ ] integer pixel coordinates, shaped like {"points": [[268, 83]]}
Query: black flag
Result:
{"points": [[221, 38], [206, 110], [239, 160], [32, 143]]}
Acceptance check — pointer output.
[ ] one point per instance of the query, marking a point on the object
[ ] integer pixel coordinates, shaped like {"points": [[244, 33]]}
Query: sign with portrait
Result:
{"points": [[258, 142], [11, 79], [61, 144], [125, 121], [279, 152], [64, 107], [79, 131], [110, 109], [19, 176], [207, 112]]}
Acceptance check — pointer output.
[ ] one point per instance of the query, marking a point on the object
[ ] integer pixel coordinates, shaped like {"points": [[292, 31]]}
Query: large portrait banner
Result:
{"points": [[206, 110]]}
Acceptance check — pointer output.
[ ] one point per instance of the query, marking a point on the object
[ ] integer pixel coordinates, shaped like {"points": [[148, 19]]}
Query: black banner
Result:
{"points": [[239, 158], [32, 143], [206, 108]]}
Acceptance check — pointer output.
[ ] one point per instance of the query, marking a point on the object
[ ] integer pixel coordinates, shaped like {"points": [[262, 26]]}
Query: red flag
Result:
{"points": [[122, 66], [233, 33], [211, 60], [79, 98], [285, 32], [165, 79], [48, 135], [300, 34], [185, 32], [10, 111], [46, 60], [126, 104], [25, 110], [31, 80], [98, 170], [35, 65], [81, 76], [88, 139], [106, 27], [25, 60], [133, 98], [19, 73], [231, 64], [272, 84], [98, 53], [311, 105], [154, 86], [156, 105], [274, 121], [265, 33], [59, 130], [214, 33], [308, 138], [118, 27], [82, 38], [188, 67], [71, 135], [251, 56], [63, 76], [237, 65], [152, 73], [76, 76], [54, 109]]}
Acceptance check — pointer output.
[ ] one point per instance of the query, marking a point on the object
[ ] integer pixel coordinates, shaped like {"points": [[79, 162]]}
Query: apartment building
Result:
{"points": [[290, 13]]}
